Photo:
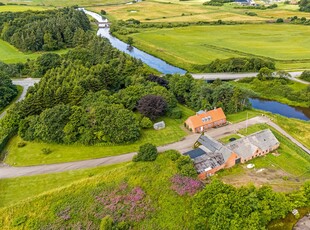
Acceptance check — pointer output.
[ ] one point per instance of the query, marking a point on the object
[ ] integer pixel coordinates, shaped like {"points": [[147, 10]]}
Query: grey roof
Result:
{"points": [[195, 153], [212, 153], [246, 146], [208, 161]]}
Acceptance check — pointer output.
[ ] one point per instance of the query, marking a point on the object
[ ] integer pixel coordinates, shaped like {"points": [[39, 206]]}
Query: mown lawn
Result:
{"points": [[10, 54], [187, 46], [226, 140], [32, 154], [168, 209]]}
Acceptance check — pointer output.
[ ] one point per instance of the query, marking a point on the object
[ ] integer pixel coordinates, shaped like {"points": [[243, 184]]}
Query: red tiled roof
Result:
{"points": [[199, 120]]}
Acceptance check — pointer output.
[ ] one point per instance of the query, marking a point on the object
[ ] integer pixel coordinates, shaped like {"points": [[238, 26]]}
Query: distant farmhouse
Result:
{"points": [[212, 156], [204, 120]]}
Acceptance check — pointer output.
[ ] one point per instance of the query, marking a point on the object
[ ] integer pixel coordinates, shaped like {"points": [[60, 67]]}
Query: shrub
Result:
{"points": [[251, 13], [46, 151], [103, 12], [152, 106], [106, 223], [146, 123], [280, 20], [305, 75], [175, 113], [186, 166], [173, 155], [147, 152], [21, 144]]}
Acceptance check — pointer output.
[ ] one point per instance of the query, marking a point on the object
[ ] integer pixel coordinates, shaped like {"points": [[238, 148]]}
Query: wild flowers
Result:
{"points": [[124, 204], [185, 185]]}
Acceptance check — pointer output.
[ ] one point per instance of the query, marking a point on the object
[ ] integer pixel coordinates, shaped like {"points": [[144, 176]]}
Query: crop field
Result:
{"points": [[193, 11], [10, 54], [186, 46]]}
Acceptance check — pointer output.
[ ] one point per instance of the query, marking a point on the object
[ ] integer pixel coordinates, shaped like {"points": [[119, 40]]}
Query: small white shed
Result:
{"points": [[159, 125]]}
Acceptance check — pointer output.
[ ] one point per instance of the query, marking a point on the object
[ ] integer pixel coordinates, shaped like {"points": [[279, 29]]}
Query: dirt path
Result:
{"points": [[182, 146]]}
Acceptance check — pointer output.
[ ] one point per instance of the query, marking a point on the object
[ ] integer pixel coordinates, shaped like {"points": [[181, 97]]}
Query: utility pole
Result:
{"points": [[246, 123]]}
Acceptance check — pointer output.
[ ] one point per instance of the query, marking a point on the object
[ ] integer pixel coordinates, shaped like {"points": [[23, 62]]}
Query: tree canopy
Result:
{"points": [[44, 30]]}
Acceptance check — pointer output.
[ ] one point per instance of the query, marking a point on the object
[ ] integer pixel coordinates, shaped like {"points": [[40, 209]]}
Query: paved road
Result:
{"points": [[25, 83], [182, 146], [234, 76]]}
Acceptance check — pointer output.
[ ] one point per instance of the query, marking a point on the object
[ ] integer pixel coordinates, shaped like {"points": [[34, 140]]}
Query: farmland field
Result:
{"points": [[288, 45], [64, 2], [193, 11]]}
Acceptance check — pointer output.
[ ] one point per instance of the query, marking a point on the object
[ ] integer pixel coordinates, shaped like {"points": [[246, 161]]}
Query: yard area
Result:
{"points": [[31, 154], [286, 169], [199, 45]]}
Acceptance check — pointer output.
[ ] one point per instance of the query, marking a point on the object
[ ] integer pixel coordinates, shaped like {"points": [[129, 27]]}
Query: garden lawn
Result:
{"points": [[226, 140], [167, 209], [10, 54], [32, 154], [199, 45]]}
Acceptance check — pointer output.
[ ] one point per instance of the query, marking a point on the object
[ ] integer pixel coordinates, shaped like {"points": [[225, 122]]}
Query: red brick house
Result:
{"points": [[204, 120]]}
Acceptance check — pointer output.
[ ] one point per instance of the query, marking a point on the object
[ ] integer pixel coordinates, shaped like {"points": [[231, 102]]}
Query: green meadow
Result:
{"points": [[288, 45], [168, 209], [10, 54]]}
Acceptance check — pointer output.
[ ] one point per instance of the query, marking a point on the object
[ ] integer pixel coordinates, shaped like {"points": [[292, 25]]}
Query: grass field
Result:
{"points": [[169, 210], [288, 44], [15, 8], [10, 54], [32, 154], [65, 2], [21, 188]]}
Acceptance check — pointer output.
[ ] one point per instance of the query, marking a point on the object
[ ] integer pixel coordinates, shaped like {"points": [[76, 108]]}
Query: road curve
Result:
{"points": [[182, 146], [25, 83]]}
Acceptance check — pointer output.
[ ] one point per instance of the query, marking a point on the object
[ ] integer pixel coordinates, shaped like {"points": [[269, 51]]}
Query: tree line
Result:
{"points": [[44, 30], [97, 94], [8, 91], [222, 206]]}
